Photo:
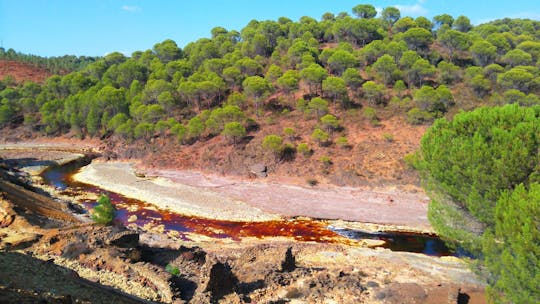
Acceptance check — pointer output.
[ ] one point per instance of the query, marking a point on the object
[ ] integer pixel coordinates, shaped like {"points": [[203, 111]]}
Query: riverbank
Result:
{"points": [[187, 200], [219, 197]]}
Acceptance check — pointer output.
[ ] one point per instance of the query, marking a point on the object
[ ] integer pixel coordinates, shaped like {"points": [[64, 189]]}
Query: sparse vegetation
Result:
{"points": [[175, 271], [104, 212]]}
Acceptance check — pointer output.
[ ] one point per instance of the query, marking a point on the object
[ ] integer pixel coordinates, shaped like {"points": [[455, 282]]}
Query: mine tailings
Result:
{"points": [[140, 213]]}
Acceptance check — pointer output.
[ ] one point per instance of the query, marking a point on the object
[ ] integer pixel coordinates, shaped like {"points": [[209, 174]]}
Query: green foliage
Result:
{"points": [[341, 60], [172, 270], [104, 212], [330, 122], [469, 162], [325, 161], [304, 149], [512, 247], [374, 92], [313, 76], [195, 127], [289, 132], [335, 88], [342, 142], [234, 130], [417, 38], [388, 137], [52, 64], [6, 113], [433, 100], [320, 136], [352, 78], [371, 115], [213, 85], [143, 130], [257, 88], [273, 143], [364, 11], [385, 66], [417, 116], [318, 105]]}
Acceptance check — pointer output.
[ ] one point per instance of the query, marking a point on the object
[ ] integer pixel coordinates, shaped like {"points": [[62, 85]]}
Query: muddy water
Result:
{"points": [[301, 230]]}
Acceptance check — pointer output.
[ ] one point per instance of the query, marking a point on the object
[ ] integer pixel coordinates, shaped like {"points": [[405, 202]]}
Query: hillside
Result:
{"points": [[341, 100], [22, 72]]}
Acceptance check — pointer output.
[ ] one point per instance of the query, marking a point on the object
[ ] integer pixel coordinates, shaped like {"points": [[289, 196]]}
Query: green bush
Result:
{"points": [[273, 143], [512, 247], [371, 114], [104, 212], [342, 142], [320, 136], [304, 149], [467, 163], [325, 160], [416, 116], [172, 270]]}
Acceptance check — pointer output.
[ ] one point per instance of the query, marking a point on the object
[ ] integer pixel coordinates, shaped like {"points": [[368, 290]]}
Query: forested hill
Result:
{"points": [[289, 90], [53, 65]]}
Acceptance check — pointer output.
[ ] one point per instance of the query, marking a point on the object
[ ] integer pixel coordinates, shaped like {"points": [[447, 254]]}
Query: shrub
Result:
{"points": [[371, 114], [416, 116], [320, 136], [273, 143], [325, 160], [342, 142], [172, 270], [289, 132], [330, 122], [304, 149], [288, 152], [388, 137], [103, 213], [312, 182]]}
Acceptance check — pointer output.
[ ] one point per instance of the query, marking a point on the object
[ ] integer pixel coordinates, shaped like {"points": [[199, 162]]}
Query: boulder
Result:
{"points": [[289, 264], [259, 170], [123, 239], [220, 280]]}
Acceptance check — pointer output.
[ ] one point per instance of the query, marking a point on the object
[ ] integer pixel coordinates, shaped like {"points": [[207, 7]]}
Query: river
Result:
{"points": [[131, 211]]}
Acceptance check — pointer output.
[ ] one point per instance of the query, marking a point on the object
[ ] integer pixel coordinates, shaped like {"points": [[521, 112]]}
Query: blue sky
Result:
{"points": [[95, 28]]}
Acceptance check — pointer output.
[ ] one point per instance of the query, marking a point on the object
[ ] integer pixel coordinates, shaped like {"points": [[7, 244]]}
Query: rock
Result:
{"points": [[132, 218], [289, 264], [123, 239], [73, 250], [221, 281], [259, 170], [290, 293], [404, 293], [6, 219]]}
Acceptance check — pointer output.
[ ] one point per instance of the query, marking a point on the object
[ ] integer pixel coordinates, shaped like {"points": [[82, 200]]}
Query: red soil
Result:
{"points": [[23, 71]]}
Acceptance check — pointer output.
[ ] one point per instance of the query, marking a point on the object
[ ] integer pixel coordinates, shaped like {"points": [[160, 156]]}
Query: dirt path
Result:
{"points": [[227, 198]]}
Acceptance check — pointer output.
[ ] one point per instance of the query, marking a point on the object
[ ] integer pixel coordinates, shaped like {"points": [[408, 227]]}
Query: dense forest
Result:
{"points": [[334, 72], [425, 67]]}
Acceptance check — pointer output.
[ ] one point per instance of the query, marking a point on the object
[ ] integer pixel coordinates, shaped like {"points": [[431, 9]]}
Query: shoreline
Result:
{"points": [[119, 177], [227, 198]]}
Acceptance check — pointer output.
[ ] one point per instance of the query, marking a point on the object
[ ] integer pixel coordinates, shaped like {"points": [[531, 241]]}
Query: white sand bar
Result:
{"points": [[119, 177]]}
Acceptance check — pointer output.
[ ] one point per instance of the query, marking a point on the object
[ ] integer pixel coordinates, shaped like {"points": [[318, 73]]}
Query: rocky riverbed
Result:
{"points": [[136, 265]]}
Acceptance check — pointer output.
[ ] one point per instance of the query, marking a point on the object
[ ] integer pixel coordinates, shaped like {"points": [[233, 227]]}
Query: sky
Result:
{"points": [[96, 28]]}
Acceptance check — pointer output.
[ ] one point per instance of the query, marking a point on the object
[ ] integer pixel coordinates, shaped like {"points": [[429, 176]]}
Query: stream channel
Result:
{"points": [[300, 230]]}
